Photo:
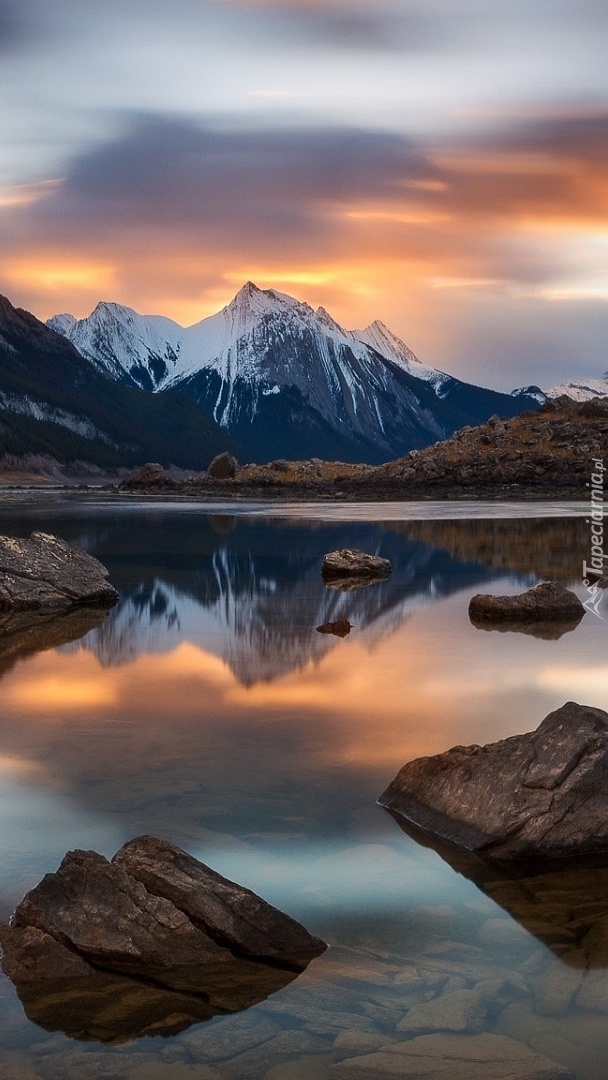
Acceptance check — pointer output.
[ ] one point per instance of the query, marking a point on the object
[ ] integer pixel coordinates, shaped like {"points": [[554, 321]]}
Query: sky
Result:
{"points": [[438, 164]]}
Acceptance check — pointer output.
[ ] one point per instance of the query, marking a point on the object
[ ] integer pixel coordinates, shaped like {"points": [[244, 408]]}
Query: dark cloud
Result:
{"points": [[240, 184], [14, 28], [340, 26]]}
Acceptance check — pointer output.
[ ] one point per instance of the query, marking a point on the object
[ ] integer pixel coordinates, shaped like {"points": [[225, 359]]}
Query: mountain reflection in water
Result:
{"points": [[252, 593], [209, 711]]}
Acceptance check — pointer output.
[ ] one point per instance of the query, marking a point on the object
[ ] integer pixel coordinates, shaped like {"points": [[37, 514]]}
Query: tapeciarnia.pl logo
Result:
{"points": [[593, 572]]}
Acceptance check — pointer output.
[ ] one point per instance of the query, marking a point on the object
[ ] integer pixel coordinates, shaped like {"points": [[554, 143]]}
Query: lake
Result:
{"points": [[209, 711]]}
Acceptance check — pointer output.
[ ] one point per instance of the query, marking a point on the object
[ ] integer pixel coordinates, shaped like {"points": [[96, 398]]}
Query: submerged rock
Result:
{"points": [[453, 1057], [548, 600], [154, 914], [543, 794], [351, 568], [46, 574]]}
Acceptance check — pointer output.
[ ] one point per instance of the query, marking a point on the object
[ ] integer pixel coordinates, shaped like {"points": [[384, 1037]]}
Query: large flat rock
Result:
{"points": [[543, 794], [44, 573]]}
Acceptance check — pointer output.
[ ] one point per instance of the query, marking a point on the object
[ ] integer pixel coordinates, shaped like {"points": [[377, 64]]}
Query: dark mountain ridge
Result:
{"points": [[54, 402]]}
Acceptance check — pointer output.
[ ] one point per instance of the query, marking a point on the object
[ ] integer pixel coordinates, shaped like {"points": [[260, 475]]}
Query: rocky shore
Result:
{"points": [[544, 453]]}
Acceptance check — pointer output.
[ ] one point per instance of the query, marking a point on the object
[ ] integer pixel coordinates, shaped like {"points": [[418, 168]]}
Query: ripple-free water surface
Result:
{"points": [[207, 710]]}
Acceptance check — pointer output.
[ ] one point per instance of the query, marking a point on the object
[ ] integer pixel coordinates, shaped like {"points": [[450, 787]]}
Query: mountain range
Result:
{"points": [[266, 377], [287, 381]]}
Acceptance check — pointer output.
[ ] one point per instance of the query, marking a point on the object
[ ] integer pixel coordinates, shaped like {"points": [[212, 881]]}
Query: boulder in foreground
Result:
{"points": [[156, 914], [351, 568], [46, 574], [541, 795], [548, 600]]}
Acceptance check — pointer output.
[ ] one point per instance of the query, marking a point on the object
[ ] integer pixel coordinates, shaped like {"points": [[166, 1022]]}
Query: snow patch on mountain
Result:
{"points": [[583, 390]]}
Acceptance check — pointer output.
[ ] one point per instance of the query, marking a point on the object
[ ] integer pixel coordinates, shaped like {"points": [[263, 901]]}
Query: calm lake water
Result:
{"points": [[208, 710]]}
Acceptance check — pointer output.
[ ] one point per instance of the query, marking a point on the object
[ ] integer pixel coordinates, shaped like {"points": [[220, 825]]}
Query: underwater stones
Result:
{"points": [[458, 1010], [44, 573], [453, 1057], [546, 601], [543, 794]]}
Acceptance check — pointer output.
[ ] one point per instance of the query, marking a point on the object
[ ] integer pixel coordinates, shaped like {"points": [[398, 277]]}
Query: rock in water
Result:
{"points": [[548, 600], [230, 914], [351, 568], [340, 628], [542, 795], [46, 574], [155, 914]]}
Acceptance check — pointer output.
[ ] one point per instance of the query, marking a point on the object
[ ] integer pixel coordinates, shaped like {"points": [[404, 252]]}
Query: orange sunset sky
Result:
{"points": [[438, 164]]}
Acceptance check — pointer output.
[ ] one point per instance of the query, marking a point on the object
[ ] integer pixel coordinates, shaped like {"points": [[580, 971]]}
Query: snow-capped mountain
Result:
{"points": [[583, 390], [53, 402], [287, 381]]}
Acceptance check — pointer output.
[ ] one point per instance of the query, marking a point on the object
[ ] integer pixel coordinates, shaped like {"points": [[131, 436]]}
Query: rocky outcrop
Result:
{"points": [[544, 602], [541, 795], [222, 467], [46, 574], [149, 477], [351, 568], [154, 914]]}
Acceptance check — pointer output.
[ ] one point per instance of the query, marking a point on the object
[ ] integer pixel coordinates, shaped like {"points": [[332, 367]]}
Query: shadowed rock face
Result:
{"points": [[539, 795], [202, 944], [227, 912], [46, 574], [544, 602]]}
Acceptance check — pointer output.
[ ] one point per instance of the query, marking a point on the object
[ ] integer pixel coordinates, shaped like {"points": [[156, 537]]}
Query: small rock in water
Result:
{"points": [[350, 568], [340, 628]]}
